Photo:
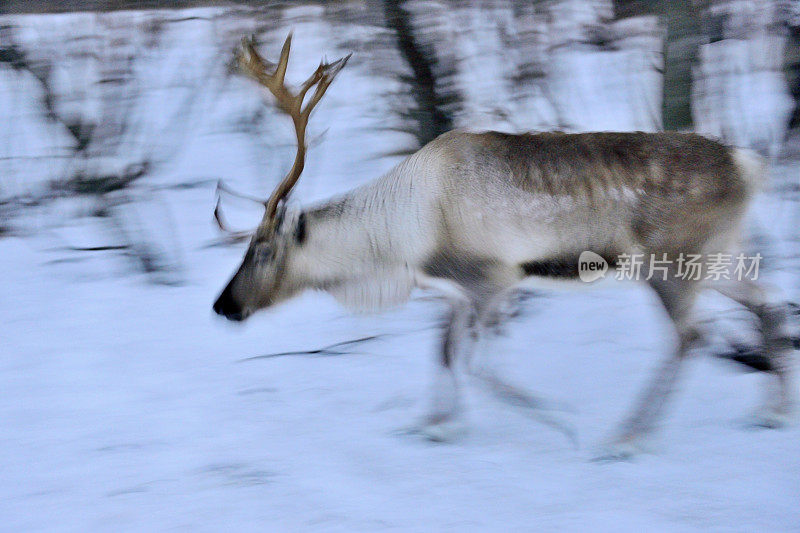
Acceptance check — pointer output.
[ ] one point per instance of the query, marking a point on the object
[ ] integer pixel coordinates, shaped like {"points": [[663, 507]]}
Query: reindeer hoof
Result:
{"points": [[768, 418], [622, 449], [447, 431], [439, 428]]}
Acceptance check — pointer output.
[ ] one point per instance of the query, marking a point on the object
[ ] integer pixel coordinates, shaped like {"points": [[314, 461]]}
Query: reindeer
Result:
{"points": [[476, 215]]}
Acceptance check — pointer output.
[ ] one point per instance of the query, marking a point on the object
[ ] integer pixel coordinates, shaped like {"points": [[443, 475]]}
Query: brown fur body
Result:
{"points": [[607, 192]]}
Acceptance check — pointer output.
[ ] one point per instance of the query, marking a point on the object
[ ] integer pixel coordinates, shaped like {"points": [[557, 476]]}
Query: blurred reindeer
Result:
{"points": [[475, 215]]}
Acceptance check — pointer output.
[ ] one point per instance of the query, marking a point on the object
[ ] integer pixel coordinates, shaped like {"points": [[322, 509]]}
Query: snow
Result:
{"points": [[127, 406]]}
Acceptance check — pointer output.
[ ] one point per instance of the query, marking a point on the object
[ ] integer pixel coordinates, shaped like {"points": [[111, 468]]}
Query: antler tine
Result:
{"points": [[327, 72], [221, 187], [233, 235], [252, 64], [283, 62], [311, 81], [249, 60]]}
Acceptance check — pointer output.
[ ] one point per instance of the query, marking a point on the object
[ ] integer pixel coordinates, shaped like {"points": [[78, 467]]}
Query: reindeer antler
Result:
{"points": [[271, 76], [233, 235]]}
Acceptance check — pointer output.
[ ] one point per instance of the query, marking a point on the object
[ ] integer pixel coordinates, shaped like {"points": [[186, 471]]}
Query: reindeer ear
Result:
{"points": [[300, 229]]}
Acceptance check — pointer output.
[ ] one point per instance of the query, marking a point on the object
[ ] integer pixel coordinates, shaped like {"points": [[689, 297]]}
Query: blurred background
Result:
{"points": [[112, 105], [117, 119]]}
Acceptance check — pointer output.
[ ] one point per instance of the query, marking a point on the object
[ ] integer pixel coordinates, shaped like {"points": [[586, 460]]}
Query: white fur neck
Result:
{"points": [[358, 246]]}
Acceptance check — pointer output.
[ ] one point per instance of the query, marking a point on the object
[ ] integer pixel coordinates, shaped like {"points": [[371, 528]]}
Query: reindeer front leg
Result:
{"points": [[444, 420]]}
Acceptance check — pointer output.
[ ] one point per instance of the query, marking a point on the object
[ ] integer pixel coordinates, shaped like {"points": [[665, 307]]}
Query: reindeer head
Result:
{"points": [[262, 279]]}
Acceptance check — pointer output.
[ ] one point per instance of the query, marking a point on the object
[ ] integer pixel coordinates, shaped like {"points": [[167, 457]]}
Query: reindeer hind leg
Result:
{"points": [[677, 296], [776, 350]]}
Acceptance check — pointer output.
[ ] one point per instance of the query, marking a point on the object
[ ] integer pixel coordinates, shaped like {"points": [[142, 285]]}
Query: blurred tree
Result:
{"points": [[110, 153], [683, 37], [682, 22], [431, 85], [62, 6], [792, 61]]}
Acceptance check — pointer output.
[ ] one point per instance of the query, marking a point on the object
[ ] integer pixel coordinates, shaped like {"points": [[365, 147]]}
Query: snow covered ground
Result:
{"points": [[127, 406]]}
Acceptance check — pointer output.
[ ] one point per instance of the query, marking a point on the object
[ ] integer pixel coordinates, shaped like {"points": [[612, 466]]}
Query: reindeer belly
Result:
{"points": [[545, 246]]}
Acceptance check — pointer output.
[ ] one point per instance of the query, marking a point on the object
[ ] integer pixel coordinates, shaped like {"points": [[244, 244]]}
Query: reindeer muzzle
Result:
{"points": [[228, 307]]}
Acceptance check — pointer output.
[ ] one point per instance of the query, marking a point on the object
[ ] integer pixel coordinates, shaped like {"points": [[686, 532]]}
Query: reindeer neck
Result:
{"points": [[372, 228]]}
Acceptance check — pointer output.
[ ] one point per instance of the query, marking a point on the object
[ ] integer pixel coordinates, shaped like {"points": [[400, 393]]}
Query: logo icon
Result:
{"points": [[591, 267]]}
